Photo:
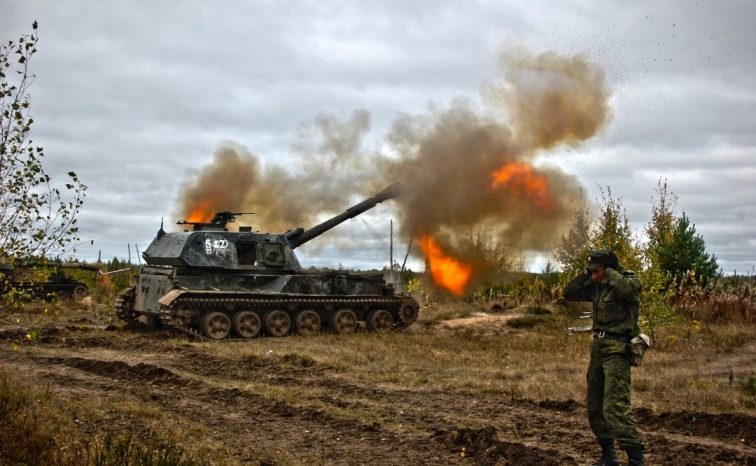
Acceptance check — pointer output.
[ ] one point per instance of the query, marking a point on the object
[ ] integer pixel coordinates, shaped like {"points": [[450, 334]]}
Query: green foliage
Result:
{"points": [[662, 225], [572, 253], [748, 385], [550, 276], [526, 321], [525, 288], [612, 231], [37, 219], [655, 311], [678, 275], [125, 452], [674, 250], [685, 256], [298, 360]]}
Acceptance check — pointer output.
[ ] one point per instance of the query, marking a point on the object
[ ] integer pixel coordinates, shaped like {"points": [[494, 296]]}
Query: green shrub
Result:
{"points": [[526, 321], [298, 360], [537, 311], [124, 452], [749, 385]]}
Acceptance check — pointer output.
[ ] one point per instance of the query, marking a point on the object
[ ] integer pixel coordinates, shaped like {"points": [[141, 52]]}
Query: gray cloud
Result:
{"points": [[136, 96]]}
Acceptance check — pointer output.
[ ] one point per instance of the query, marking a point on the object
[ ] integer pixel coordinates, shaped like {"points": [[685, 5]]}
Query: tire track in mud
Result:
{"points": [[442, 412], [309, 435], [485, 430], [672, 438]]}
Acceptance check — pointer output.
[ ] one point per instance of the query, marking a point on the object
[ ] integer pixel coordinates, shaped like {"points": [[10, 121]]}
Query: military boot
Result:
{"points": [[608, 455], [634, 456]]}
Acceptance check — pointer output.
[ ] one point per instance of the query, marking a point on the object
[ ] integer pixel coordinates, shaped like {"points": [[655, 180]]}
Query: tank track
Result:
{"points": [[124, 305], [180, 314]]}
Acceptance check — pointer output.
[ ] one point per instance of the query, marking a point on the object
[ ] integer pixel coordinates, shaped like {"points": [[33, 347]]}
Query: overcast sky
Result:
{"points": [[136, 97]]}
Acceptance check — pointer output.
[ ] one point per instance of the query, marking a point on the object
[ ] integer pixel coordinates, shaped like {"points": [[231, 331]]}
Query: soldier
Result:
{"points": [[615, 295]]}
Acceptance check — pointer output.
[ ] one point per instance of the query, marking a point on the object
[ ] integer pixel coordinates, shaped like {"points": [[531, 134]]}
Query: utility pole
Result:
{"points": [[409, 248], [391, 252]]}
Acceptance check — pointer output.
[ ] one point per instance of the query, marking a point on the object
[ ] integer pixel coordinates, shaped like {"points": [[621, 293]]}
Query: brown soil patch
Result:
{"points": [[479, 321], [235, 406]]}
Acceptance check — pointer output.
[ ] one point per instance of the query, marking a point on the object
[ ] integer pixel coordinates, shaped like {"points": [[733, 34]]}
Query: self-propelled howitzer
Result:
{"points": [[243, 284], [20, 275]]}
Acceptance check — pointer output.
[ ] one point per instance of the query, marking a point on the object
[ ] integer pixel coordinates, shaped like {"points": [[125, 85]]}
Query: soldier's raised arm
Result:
{"points": [[579, 288], [626, 283]]}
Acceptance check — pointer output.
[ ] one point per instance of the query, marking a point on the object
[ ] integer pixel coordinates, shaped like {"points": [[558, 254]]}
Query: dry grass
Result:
{"points": [[516, 354], [39, 428], [492, 358], [522, 353]]}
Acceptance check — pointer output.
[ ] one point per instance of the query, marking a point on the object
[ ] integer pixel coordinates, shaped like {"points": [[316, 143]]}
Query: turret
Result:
{"points": [[211, 245]]}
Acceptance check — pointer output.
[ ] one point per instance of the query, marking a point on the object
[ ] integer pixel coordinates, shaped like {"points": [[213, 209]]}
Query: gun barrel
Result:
{"points": [[28, 262], [90, 267], [388, 193]]}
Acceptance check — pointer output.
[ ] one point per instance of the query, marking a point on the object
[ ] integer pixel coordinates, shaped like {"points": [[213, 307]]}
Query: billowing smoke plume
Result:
{"points": [[465, 170], [280, 199]]}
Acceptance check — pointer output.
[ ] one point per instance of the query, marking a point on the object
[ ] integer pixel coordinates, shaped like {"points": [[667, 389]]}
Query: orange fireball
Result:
{"points": [[522, 180], [445, 270], [201, 211]]}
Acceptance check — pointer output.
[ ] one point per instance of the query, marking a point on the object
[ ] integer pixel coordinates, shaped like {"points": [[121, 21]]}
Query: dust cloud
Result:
{"points": [[465, 169]]}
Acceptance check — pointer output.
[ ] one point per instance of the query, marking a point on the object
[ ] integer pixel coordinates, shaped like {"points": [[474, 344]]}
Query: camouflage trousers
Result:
{"points": [[609, 410]]}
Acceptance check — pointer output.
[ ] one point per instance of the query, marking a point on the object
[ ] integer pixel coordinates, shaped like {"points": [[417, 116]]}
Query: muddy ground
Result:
{"points": [[172, 375]]}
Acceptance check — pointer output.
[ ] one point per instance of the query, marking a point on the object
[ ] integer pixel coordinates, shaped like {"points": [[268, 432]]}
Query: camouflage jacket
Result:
{"points": [[615, 300]]}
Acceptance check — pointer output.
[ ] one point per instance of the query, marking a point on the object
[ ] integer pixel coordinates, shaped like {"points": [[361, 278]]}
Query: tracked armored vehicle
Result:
{"points": [[222, 284], [58, 285]]}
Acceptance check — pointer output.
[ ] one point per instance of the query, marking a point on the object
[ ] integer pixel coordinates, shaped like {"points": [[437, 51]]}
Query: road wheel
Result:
{"points": [[307, 323], [343, 321], [277, 323], [215, 325], [408, 313], [80, 292], [63, 295], [247, 324], [380, 321]]}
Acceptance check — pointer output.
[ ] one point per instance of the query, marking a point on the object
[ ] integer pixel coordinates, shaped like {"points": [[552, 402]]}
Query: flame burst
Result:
{"points": [[445, 270], [201, 211], [521, 179], [546, 100]]}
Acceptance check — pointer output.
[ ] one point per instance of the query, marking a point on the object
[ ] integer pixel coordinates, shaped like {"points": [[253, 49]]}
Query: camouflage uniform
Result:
{"points": [[615, 312]]}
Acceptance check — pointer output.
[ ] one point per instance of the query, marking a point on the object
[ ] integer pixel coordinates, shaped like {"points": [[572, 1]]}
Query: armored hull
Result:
{"points": [[20, 276], [242, 284], [64, 290]]}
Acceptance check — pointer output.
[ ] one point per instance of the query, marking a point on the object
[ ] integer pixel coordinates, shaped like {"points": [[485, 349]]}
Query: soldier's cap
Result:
{"points": [[597, 259]]}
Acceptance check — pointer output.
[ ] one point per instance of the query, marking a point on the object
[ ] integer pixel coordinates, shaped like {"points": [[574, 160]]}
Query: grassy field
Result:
{"points": [[462, 384]]}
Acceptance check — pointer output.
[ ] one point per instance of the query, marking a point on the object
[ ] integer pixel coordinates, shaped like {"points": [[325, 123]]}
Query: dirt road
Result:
{"points": [[301, 411]]}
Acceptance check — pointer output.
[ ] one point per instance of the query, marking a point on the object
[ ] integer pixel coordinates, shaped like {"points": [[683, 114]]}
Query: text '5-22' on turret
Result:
{"points": [[243, 284]]}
